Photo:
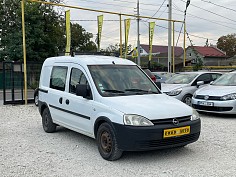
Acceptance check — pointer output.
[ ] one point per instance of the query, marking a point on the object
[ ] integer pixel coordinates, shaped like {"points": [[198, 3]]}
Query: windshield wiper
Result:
{"points": [[113, 91], [140, 90]]}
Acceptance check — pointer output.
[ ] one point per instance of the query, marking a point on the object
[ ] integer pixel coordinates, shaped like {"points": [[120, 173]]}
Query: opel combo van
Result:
{"points": [[113, 101]]}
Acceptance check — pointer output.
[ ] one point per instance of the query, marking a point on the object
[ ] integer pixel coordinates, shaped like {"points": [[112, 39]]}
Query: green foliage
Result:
{"points": [[198, 65], [116, 48], [81, 40], [45, 32], [228, 44]]}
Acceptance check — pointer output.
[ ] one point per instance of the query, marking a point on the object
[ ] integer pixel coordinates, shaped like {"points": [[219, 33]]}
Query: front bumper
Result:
{"points": [[223, 107], [132, 138]]}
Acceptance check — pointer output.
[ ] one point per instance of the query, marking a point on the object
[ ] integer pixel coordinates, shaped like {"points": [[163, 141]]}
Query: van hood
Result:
{"points": [[213, 90], [169, 87], [151, 106]]}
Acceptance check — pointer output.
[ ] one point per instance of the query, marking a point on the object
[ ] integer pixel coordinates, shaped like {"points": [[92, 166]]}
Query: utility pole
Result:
{"points": [[169, 34], [138, 40]]}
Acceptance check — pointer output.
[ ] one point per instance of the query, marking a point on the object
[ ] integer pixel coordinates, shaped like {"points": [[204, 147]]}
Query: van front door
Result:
{"points": [[79, 109]]}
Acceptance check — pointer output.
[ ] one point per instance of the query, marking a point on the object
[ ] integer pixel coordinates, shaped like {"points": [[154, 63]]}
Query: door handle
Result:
{"points": [[67, 101], [60, 100]]}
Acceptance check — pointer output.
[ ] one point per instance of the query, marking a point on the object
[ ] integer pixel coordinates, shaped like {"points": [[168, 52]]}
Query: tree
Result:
{"points": [[81, 40], [228, 44], [116, 48], [45, 31], [198, 65]]}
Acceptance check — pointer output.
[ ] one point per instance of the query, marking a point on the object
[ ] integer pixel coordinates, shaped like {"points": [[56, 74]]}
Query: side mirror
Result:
{"points": [[158, 84], [200, 83], [82, 90]]}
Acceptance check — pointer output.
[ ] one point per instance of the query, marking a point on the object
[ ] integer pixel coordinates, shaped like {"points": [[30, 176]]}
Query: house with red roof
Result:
{"points": [[160, 55], [160, 50], [211, 56]]}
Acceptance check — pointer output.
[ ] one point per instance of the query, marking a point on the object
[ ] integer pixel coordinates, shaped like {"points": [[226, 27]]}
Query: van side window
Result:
{"points": [[76, 77], [58, 78]]}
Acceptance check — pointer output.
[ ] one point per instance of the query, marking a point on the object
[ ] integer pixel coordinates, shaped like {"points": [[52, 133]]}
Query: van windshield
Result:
{"points": [[120, 80]]}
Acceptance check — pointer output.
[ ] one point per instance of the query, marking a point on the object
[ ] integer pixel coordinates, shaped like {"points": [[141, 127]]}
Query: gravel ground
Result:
{"points": [[26, 150]]}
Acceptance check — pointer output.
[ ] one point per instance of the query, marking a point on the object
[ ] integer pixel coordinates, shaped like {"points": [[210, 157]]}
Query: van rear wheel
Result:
{"points": [[47, 122], [107, 143]]}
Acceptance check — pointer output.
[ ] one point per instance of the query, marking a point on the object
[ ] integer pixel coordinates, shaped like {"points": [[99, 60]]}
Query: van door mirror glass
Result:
{"points": [[81, 90]]}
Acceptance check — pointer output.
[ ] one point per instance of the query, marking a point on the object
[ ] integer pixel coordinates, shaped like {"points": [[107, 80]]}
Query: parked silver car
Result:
{"points": [[218, 97], [162, 76], [183, 85]]}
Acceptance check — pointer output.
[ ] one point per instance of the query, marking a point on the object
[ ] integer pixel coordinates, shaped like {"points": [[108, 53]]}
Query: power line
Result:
{"points": [[148, 27], [201, 37], [189, 34], [212, 21], [211, 12], [96, 20], [114, 4], [157, 10], [139, 3], [219, 5]]}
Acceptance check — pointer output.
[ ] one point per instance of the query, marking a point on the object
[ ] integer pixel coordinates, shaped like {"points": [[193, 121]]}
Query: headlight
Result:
{"points": [[175, 92], [136, 120], [195, 115], [231, 96]]}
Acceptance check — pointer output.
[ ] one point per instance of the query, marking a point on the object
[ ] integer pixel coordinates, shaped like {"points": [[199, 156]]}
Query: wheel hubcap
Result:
{"points": [[188, 101], [36, 100], [106, 142]]}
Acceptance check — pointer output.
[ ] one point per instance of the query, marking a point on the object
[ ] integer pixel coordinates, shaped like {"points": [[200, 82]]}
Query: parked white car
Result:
{"points": [[183, 85], [218, 97], [114, 101]]}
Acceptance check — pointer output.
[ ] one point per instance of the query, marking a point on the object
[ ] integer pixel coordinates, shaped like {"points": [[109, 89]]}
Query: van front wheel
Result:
{"points": [[107, 143]]}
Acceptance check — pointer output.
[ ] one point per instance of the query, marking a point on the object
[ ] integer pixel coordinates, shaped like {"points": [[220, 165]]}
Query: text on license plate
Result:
{"points": [[205, 103], [176, 132]]}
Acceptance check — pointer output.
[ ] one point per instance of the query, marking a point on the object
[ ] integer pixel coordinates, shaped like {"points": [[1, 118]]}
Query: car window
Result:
{"points": [[228, 79], [76, 77], [58, 78], [215, 76], [183, 78], [206, 78]]}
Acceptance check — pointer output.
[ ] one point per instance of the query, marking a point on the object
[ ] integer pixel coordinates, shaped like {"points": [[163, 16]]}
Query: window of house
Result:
{"points": [[58, 78], [190, 54]]}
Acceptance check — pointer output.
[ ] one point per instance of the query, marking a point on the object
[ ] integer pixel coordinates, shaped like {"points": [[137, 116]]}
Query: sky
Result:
{"points": [[205, 19]]}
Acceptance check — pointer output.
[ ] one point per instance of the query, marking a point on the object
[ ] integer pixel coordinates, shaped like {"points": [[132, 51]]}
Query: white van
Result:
{"points": [[113, 101]]}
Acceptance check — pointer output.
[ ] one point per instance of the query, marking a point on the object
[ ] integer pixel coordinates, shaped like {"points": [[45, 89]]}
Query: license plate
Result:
{"points": [[176, 132], [205, 103]]}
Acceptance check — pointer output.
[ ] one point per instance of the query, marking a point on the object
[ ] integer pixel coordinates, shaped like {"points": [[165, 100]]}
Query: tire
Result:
{"points": [[47, 122], [107, 143], [36, 99], [187, 100]]}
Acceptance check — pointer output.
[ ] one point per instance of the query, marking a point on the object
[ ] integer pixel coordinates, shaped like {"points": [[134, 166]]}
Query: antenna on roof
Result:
{"points": [[72, 54]]}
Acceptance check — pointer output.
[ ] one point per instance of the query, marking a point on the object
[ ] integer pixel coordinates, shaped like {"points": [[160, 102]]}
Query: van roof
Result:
{"points": [[88, 60]]}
